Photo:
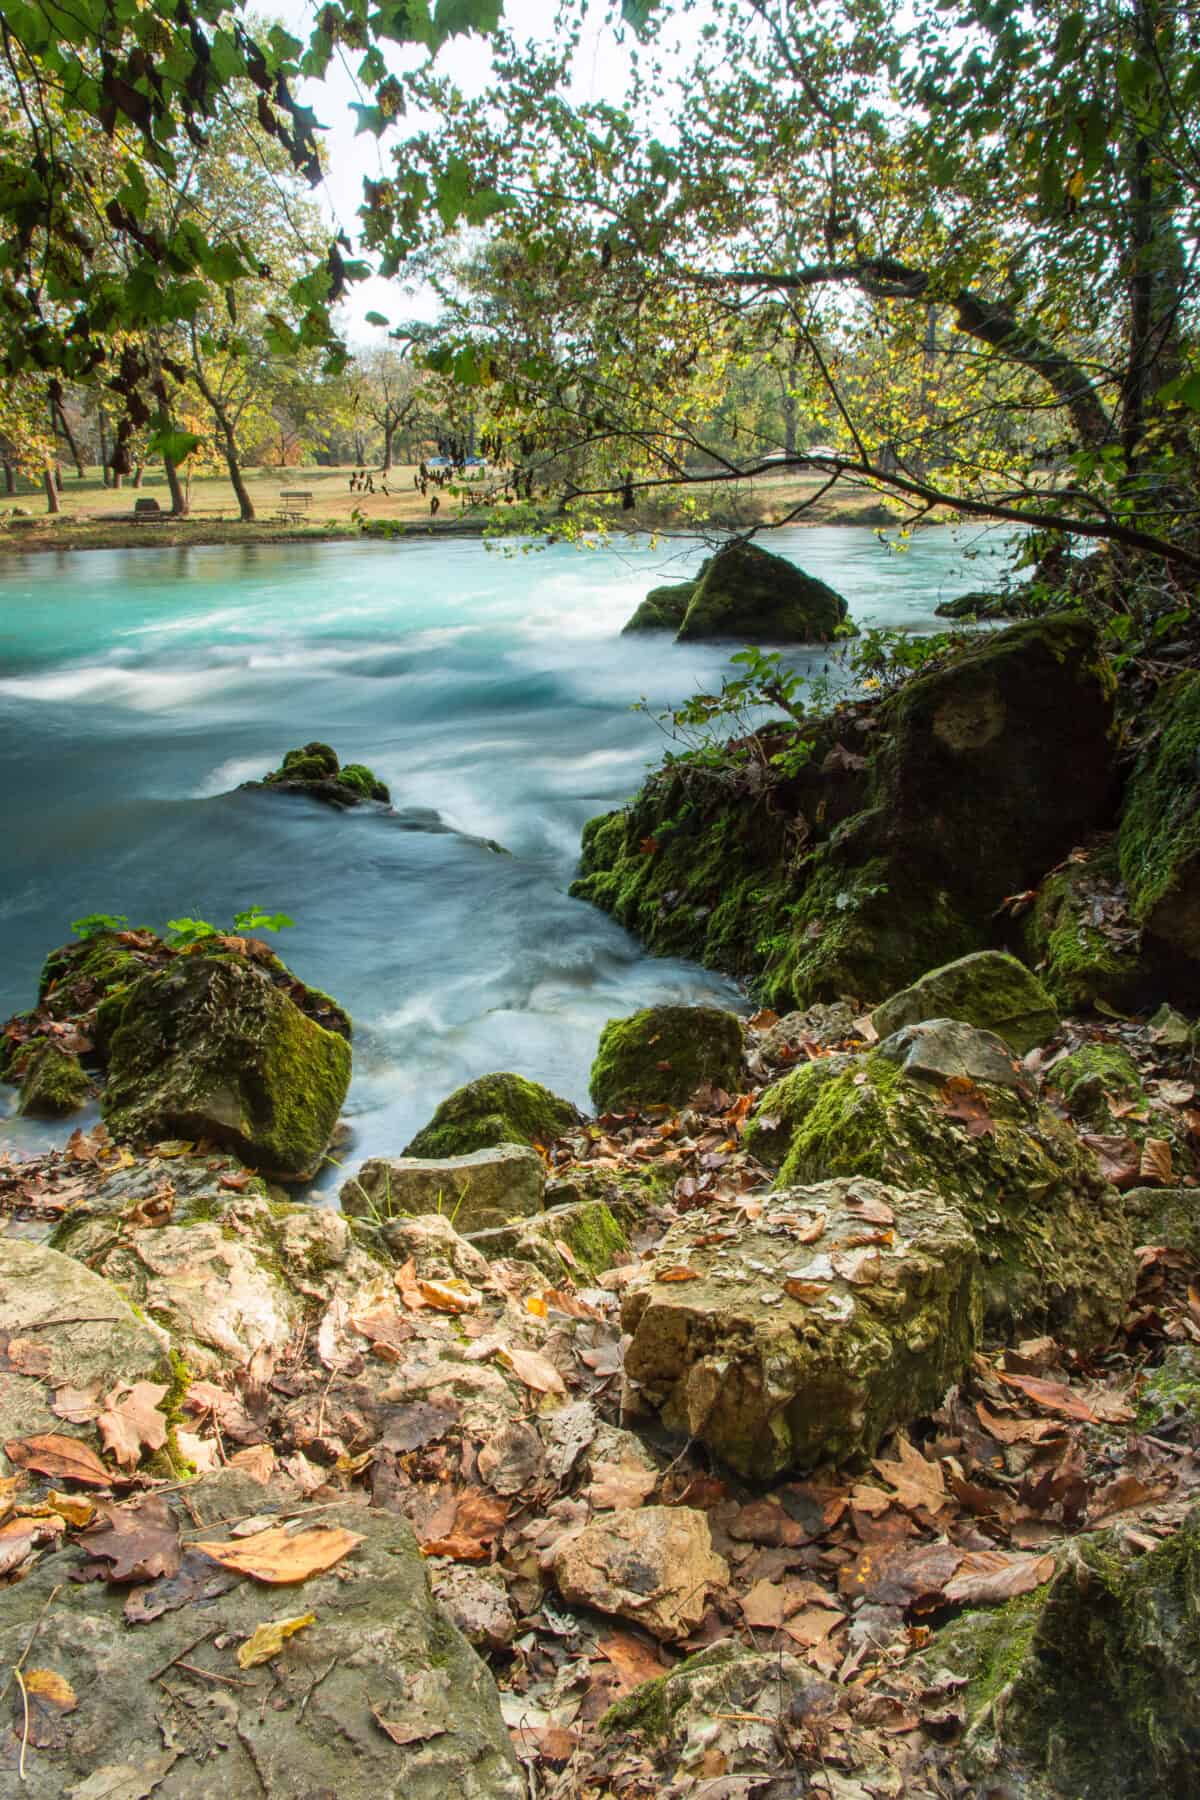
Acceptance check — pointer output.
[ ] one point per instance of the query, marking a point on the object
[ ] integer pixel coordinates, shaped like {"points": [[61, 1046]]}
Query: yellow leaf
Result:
{"points": [[452, 1296], [53, 1687], [279, 1556], [537, 1306], [74, 1508], [268, 1640]]}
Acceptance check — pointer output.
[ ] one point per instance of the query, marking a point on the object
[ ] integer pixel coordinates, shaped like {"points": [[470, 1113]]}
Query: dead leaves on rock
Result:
{"points": [[279, 1557], [62, 1458], [134, 1542]]}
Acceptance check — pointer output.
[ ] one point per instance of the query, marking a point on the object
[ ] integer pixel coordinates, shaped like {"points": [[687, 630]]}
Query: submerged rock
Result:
{"points": [[1159, 838], [379, 1695], [939, 1107], [212, 1048], [747, 593], [315, 770], [988, 989], [495, 1109], [661, 1055], [475, 1192], [892, 848], [1092, 1685], [846, 1309], [74, 1330], [653, 1566]]}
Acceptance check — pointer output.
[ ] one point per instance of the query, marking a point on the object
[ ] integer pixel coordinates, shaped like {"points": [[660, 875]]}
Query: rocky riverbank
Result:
{"points": [[820, 1414]]}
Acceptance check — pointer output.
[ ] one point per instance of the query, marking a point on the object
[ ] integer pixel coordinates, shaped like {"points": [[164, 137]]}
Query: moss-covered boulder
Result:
{"points": [[846, 1309], [211, 1048], [1159, 841], [78, 1331], [1055, 1246], [747, 593], [495, 1109], [314, 769], [893, 847], [1165, 1215], [663, 608], [52, 1081], [661, 1055], [476, 1192], [988, 989], [1081, 938], [1091, 1686], [576, 1242], [981, 604]]}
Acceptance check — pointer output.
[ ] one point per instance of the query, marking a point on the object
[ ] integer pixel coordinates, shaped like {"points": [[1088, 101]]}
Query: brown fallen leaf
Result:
{"points": [[52, 1688], [78, 1406], [19, 1538], [634, 1661], [807, 1291], [408, 1731], [535, 1370], [679, 1272], [131, 1420], [1008, 1430], [280, 1557], [963, 1101], [812, 1625], [917, 1481], [616, 1485], [27, 1356], [989, 1577], [1119, 1157], [450, 1296], [385, 1331], [138, 1540], [859, 1267], [1053, 1396], [268, 1639], [807, 1231], [256, 1460], [407, 1285], [62, 1458], [1155, 1166]]}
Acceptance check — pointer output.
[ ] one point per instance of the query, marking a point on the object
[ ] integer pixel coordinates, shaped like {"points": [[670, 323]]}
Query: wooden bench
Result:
{"points": [[294, 504]]}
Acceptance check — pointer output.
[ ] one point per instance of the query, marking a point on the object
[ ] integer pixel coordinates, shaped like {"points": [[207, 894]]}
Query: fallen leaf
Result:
{"points": [[452, 1296], [280, 1557], [76, 1509], [917, 1481], [1119, 1157], [27, 1356], [859, 1267], [408, 1731], [812, 1625], [634, 1661], [535, 1370], [1053, 1396], [963, 1101], [62, 1458], [268, 1639], [52, 1687], [125, 1781], [138, 1540], [1155, 1165], [1008, 1430], [679, 1272], [132, 1421], [256, 1460], [807, 1231], [870, 1208], [764, 1604], [18, 1540], [198, 1580], [989, 1577], [407, 1285], [616, 1485], [78, 1406], [808, 1291]]}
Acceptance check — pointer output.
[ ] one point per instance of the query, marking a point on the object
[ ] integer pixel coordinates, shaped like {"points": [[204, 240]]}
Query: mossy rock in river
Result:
{"points": [[52, 1081], [494, 1109], [314, 769], [211, 1048], [892, 849], [939, 1107], [1090, 1686], [746, 594], [988, 989], [792, 1345], [661, 1055], [1159, 841]]}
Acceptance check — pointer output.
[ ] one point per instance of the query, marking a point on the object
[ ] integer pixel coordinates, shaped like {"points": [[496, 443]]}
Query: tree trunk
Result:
{"points": [[389, 432], [179, 505], [53, 504], [116, 478], [137, 476], [58, 476], [229, 447], [59, 417], [360, 453], [105, 471], [10, 479]]}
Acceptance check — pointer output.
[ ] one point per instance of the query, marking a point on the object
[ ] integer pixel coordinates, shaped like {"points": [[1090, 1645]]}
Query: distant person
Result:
{"points": [[433, 505]]}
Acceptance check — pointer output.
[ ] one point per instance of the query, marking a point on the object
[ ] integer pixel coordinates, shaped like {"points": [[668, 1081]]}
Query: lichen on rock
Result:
{"points": [[475, 1192], [53, 1081], [494, 1109], [661, 1055]]}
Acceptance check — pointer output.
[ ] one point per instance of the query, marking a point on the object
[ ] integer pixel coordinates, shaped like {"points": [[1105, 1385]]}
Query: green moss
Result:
{"points": [[1159, 840], [651, 1708], [1171, 1389], [495, 1109], [988, 989], [661, 1055], [76, 976], [364, 781], [748, 593], [317, 764], [52, 1081], [319, 756], [1079, 962], [1094, 1074], [663, 608]]}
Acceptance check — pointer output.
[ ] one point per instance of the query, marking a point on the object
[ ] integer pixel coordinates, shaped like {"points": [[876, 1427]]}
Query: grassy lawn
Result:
{"points": [[94, 516]]}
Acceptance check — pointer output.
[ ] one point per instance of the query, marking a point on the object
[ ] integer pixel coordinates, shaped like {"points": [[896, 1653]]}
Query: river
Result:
{"points": [[490, 690]]}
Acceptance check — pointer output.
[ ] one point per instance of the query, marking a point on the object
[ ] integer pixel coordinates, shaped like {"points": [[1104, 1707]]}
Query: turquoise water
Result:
{"points": [[492, 693]]}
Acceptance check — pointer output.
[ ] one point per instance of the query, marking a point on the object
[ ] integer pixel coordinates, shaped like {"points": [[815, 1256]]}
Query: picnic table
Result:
{"points": [[294, 504]]}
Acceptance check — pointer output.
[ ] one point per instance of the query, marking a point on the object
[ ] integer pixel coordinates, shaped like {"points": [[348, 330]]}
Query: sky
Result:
{"points": [[601, 71]]}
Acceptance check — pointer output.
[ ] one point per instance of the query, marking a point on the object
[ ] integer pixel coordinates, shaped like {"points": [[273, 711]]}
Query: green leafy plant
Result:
{"points": [[184, 933], [255, 919], [92, 924]]}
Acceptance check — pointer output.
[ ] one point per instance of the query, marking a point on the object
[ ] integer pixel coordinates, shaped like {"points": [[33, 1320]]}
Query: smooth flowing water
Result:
{"points": [[491, 691]]}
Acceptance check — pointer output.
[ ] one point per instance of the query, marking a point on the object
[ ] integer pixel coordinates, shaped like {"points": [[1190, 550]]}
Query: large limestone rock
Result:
{"points": [[475, 1193], [661, 1055], [803, 1337], [576, 1242], [1091, 1686], [64, 1327], [988, 989], [891, 849], [747, 593], [229, 1275], [653, 1566], [212, 1048], [939, 1106], [495, 1109], [1159, 840], [380, 1697]]}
